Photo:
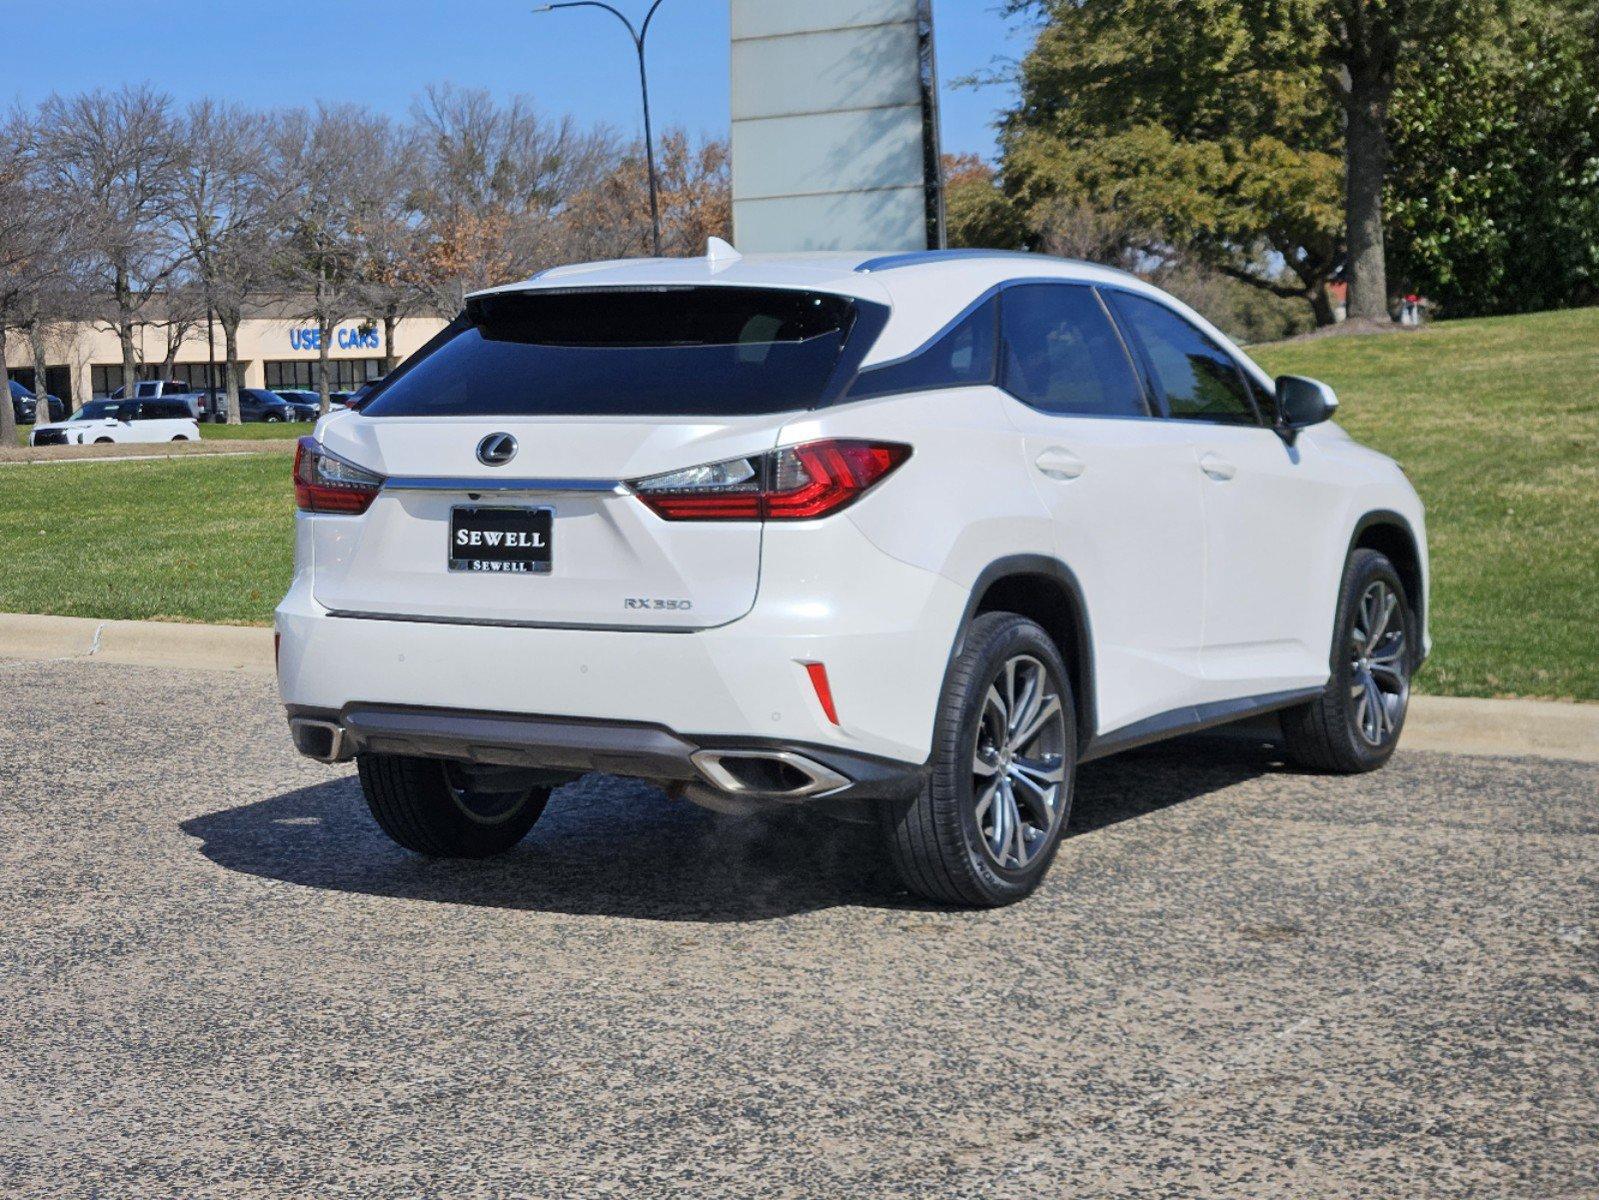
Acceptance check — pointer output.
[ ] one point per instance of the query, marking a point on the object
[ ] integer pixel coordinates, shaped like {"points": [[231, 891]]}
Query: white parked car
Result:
{"points": [[906, 537], [169, 420]]}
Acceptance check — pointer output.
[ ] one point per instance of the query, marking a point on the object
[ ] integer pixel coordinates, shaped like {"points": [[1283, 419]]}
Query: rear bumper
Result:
{"points": [[882, 628]]}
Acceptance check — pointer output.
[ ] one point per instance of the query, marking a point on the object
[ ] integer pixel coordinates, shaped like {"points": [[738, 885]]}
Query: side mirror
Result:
{"points": [[1301, 403]]}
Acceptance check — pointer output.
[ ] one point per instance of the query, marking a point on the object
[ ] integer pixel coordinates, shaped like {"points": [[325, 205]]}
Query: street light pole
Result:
{"points": [[638, 35]]}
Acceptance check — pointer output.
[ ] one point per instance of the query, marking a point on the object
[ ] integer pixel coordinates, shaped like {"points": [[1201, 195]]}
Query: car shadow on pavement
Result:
{"points": [[616, 847]]}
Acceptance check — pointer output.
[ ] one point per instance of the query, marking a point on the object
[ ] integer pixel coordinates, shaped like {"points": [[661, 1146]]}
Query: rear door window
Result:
{"points": [[1198, 379], [1063, 355], [648, 352]]}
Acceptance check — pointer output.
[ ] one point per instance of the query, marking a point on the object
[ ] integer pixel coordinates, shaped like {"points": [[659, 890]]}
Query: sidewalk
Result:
{"points": [[1447, 724]]}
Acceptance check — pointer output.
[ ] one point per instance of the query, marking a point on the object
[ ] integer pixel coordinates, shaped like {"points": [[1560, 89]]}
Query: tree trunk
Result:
{"points": [[130, 357], [1366, 163], [389, 322], [130, 362], [1321, 306], [230, 365], [8, 415], [170, 362], [41, 404], [323, 341]]}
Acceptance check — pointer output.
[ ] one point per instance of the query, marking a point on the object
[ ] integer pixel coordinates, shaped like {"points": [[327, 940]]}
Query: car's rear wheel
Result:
{"points": [[1355, 723], [990, 819], [102, 441], [433, 808], [272, 418]]}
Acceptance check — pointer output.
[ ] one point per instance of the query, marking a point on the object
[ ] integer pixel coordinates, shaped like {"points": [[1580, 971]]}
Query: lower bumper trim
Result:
{"points": [[579, 746]]}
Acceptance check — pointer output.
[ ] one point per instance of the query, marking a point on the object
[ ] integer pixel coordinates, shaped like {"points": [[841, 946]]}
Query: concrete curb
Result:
{"points": [[144, 643], [1539, 728], [1512, 728], [122, 458]]}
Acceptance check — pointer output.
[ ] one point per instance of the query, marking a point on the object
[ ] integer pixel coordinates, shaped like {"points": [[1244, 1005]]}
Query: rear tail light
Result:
{"points": [[325, 483], [794, 483]]}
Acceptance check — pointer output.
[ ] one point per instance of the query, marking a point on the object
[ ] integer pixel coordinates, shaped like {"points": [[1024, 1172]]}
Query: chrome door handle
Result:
{"points": [[1060, 463], [1217, 467]]}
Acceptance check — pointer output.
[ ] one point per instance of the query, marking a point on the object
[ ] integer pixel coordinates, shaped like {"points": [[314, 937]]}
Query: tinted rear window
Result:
{"points": [[962, 357], [712, 351]]}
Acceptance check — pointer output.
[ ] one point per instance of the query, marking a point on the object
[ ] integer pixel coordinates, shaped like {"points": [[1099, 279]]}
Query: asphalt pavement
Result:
{"points": [[218, 979]]}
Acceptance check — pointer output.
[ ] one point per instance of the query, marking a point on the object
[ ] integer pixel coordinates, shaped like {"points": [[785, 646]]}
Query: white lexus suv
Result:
{"points": [[906, 538]]}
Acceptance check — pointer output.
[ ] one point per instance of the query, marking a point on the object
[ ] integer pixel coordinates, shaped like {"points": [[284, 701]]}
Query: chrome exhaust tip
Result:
{"points": [[772, 774], [324, 741]]}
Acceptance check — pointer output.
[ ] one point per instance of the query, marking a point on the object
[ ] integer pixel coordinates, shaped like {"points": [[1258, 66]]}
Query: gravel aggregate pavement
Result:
{"points": [[218, 979]]}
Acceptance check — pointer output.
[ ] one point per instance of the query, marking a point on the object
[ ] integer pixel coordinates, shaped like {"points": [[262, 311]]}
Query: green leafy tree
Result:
{"points": [[1204, 123], [977, 212], [1494, 179], [1368, 41]]}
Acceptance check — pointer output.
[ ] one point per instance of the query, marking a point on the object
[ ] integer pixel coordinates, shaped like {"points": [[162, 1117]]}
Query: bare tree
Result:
{"points": [[19, 245], [496, 176], [611, 218], [334, 160], [181, 313], [393, 281], [39, 239], [230, 207], [116, 154]]}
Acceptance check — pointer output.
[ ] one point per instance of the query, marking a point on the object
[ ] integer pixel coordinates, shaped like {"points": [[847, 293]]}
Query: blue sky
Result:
{"points": [[383, 52]]}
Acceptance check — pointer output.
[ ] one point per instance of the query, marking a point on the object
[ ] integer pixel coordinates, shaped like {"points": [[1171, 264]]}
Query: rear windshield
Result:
{"points": [[691, 351]]}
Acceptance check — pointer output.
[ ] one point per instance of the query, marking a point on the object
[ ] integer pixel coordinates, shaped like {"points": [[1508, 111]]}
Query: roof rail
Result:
{"points": [[915, 258]]}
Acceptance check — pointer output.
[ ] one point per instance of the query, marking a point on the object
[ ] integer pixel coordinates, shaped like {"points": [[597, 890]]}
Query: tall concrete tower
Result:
{"points": [[835, 126]]}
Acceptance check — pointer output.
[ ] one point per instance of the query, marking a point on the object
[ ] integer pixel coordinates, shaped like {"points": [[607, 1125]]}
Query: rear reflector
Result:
{"points": [[325, 483], [794, 483], [824, 690]]}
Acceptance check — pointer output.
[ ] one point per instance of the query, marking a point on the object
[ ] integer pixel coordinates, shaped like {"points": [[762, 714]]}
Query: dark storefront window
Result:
{"points": [[344, 374], [106, 378], [57, 381]]}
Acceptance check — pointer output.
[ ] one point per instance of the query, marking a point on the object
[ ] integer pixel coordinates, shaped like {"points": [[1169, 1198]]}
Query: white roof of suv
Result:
{"points": [[925, 289]]}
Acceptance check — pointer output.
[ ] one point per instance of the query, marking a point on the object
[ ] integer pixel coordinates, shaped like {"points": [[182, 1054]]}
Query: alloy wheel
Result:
{"points": [[480, 805], [1019, 763], [1379, 681]]}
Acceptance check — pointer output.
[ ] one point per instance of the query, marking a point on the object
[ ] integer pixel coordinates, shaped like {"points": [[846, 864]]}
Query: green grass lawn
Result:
{"points": [[1497, 423], [254, 430], [199, 539]]}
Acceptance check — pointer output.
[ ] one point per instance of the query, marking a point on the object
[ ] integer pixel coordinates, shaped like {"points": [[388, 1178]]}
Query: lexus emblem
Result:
{"points": [[496, 450]]}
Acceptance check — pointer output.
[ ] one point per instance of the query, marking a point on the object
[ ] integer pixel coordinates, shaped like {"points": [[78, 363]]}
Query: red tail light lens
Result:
{"points": [[325, 483], [795, 483]]}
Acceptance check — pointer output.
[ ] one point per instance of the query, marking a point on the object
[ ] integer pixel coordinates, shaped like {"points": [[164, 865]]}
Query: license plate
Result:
{"points": [[506, 541]]}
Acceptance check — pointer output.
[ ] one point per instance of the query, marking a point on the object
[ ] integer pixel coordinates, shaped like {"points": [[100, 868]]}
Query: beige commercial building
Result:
{"points": [[84, 360]]}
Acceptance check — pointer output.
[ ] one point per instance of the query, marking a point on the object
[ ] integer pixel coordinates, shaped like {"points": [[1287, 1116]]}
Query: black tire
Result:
{"points": [[102, 441], [938, 842], [180, 438], [414, 801], [1327, 734]]}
